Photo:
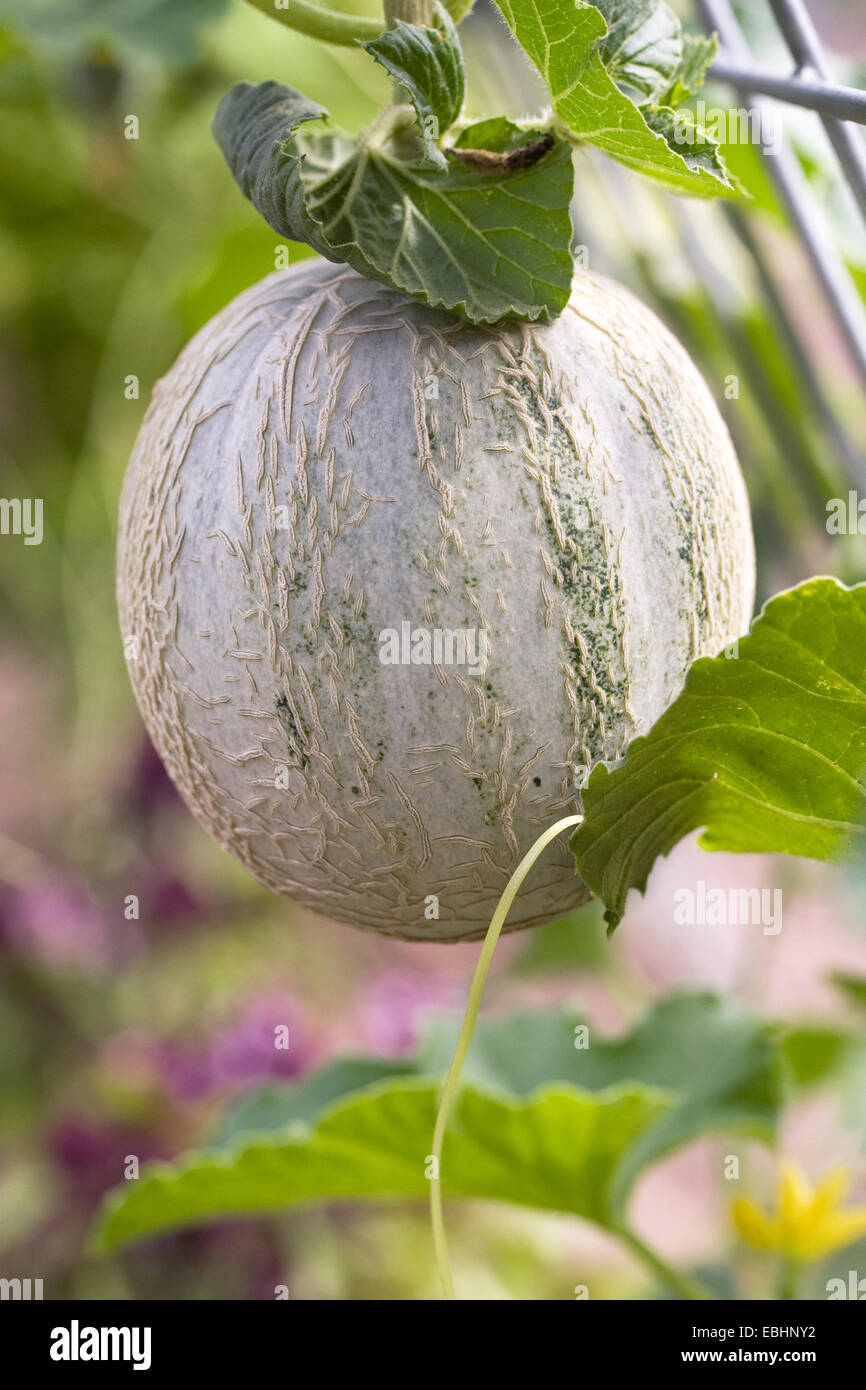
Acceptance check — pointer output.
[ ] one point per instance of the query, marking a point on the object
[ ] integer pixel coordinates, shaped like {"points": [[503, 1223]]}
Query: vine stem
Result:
{"points": [[331, 26], [682, 1284], [790, 1276], [390, 122], [476, 990], [409, 11], [335, 26]]}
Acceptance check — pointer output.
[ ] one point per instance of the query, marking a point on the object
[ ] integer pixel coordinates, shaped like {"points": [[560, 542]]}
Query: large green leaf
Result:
{"points": [[275, 1106], [558, 1150], [478, 243], [542, 1122], [567, 43], [720, 1065], [765, 750]]}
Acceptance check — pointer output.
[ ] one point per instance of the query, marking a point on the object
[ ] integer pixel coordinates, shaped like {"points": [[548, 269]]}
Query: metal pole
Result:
{"points": [[802, 39], [852, 459], [794, 191], [845, 103]]}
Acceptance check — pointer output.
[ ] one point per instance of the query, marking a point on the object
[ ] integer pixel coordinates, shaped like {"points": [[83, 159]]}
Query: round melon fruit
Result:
{"points": [[395, 582]]}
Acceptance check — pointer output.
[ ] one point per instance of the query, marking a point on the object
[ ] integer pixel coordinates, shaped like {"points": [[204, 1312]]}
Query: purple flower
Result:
{"points": [[168, 901], [57, 922], [186, 1071], [392, 1005], [149, 787], [92, 1156], [269, 1038]]}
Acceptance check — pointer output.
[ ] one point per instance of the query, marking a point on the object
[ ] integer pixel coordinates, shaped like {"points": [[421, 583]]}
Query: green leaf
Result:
{"points": [[428, 63], [721, 1062], [480, 244], [276, 1106], [558, 1150], [852, 986], [766, 751], [720, 1066], [565, 42], [542, 1122], [690, 73], [459, 9], [570, 944], [643, 48], [697, 149], [813, 1053]]}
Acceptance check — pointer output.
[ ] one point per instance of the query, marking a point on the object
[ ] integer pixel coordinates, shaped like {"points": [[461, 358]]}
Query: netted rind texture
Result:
{"points": [[330, 467]]}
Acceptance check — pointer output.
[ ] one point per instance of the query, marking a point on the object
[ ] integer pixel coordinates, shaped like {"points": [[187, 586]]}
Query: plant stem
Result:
{"points": [[335, 26], [331, 26], [790, 1275], [418, 12], [681, 1284], [390, 122], [476, 989]]}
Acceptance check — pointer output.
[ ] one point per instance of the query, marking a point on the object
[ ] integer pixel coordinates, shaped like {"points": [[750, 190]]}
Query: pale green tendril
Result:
{"points": [[681, 1284], [476, 989]]}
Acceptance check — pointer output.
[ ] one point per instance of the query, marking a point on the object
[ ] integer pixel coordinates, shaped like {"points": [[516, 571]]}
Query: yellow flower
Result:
{"points": [[809, 1222]]}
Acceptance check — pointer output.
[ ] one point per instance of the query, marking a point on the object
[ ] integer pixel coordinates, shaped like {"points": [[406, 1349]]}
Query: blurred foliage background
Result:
{"points": [[129, 1036]]}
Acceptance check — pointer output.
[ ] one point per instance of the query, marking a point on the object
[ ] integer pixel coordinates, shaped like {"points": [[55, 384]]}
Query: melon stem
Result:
{"points": [[338, 27], [330, 26], [470, 1017]]}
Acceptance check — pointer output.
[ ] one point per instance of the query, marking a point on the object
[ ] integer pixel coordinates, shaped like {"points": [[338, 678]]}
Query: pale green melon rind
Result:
{"points": [[569, 488]]}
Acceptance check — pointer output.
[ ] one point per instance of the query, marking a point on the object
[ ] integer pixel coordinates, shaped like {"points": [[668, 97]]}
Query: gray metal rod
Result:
{"points": [[794, 191], [801, 37], [800, 34], [828, 98], [853, 460], [853, 464]]}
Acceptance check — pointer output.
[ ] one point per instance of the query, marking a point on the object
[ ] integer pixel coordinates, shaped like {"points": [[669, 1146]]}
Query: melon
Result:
{"points": [[391, 583]]}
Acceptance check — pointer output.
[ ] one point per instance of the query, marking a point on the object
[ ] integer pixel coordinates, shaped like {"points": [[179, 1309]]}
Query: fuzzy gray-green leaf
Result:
{"points": [[428, 64], [483, 244]]}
